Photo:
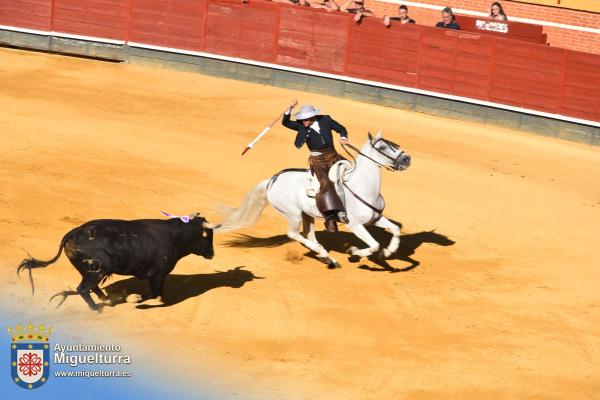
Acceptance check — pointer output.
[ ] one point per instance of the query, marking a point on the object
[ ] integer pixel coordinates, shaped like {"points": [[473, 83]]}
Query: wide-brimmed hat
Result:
{"points": [[307, 111]]}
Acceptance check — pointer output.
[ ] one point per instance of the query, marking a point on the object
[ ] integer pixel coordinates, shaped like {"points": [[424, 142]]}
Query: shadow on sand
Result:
{"points": [[341, 241], [177, 288]]}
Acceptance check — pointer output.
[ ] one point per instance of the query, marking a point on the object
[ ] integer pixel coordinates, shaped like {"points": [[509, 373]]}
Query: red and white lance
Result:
{"points": [[264, 132]]}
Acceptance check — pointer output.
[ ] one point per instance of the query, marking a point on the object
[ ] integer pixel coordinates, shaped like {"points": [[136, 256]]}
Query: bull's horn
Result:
{"points": [[208, 225], [194, 215]]}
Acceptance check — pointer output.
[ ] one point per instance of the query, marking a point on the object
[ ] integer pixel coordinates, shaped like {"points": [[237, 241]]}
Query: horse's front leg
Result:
{"points": [[361, 232], [385, 223], [310, 242]]}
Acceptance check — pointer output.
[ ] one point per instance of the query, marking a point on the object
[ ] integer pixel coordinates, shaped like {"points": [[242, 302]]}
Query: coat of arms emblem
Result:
{"points": [[30, 355]]}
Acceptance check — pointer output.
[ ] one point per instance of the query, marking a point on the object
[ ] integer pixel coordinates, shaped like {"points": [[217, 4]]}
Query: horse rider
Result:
{"points": [[315, 129]]}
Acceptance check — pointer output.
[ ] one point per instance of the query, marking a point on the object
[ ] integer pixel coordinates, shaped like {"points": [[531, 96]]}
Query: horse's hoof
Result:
{"points": [[324, 259], [331, 263], [352, 250], [354, 259]]}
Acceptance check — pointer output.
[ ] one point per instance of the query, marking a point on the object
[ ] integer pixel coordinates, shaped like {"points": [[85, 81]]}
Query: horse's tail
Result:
{"points": [[30, 263], [249, 211]]}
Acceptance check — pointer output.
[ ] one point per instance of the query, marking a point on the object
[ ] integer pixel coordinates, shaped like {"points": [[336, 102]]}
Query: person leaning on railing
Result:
{"points": [[356, 7], [296, 2], [402, 17], [497, 13], [448, 20], [327, 5]]}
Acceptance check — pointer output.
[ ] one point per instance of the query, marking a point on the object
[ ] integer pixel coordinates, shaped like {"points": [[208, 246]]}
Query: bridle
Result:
{"points": [[395, 160]]}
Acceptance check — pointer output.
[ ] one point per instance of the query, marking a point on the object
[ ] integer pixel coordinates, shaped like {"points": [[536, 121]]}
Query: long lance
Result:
{"points": [[263, 133]]}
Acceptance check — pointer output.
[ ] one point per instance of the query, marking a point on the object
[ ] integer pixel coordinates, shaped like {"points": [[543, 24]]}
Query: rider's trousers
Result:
{"points": [[327, 199]]}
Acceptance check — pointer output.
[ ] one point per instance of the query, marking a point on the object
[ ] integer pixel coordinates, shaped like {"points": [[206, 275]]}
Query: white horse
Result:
{"points": [[287, 193]]}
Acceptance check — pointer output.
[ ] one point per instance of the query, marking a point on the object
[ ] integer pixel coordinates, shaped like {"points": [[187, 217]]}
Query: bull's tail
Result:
{"points": [[249, 211], [30, 263]]}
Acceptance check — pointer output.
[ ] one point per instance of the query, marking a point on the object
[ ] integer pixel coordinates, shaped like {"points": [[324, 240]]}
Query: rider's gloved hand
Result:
{"points": [[293, 104]]}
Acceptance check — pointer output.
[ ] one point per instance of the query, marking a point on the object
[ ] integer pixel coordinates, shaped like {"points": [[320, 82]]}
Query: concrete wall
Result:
{"points": [[292, 80], [55, 44]]}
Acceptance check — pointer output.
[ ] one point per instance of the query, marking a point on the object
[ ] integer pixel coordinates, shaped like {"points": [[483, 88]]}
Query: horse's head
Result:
{"points": [[388, 153]]}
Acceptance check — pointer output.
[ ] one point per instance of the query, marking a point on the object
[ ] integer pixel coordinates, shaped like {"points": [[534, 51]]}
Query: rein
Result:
{"points": [[366, 203], [344, 145]]}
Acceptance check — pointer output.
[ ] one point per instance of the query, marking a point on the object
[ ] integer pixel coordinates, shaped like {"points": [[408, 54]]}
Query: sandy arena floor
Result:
{"points": [[504, 304]]}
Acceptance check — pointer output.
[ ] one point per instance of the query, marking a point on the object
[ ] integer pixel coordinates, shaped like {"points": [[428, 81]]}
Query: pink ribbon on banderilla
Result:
{"points": [[183, 218]]}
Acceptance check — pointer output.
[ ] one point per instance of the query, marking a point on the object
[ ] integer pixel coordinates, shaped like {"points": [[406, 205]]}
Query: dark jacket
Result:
{"points": [[410, 20], [451, 25], [315, 140]]}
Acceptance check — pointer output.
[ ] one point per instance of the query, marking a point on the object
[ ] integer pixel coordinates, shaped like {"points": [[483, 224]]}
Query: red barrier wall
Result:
{"points": [[465, 64], [527, 76], [312, 39], [168, 23], [236, 30], [580, 93], [98, 18], [31, 14]]}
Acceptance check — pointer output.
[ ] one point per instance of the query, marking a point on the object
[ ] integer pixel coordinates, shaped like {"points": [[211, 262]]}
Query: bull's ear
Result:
{"points": [[194, 215]]}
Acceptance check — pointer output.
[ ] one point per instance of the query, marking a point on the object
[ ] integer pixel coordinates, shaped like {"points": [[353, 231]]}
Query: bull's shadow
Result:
{"points": [[341, 241], [179, 288]]}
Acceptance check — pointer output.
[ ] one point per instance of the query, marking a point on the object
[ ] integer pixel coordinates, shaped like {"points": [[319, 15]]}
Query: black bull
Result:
{"points": [[146, 248]]}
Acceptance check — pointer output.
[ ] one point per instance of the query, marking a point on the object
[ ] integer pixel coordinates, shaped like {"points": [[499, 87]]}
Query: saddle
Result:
{"points": [[338, 173]]}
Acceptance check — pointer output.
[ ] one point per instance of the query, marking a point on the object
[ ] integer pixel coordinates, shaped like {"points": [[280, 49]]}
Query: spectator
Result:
{"points": [[497, 13], [402, 17], [328, 5], [356, 7], [296, 2], [448, 20]]}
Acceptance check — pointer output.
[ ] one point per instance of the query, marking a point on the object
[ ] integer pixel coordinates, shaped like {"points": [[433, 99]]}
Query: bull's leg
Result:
{"points": [[364, 235], [101, 295], [157, 283], [385, 223], [294, 233], [89, 282]]}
